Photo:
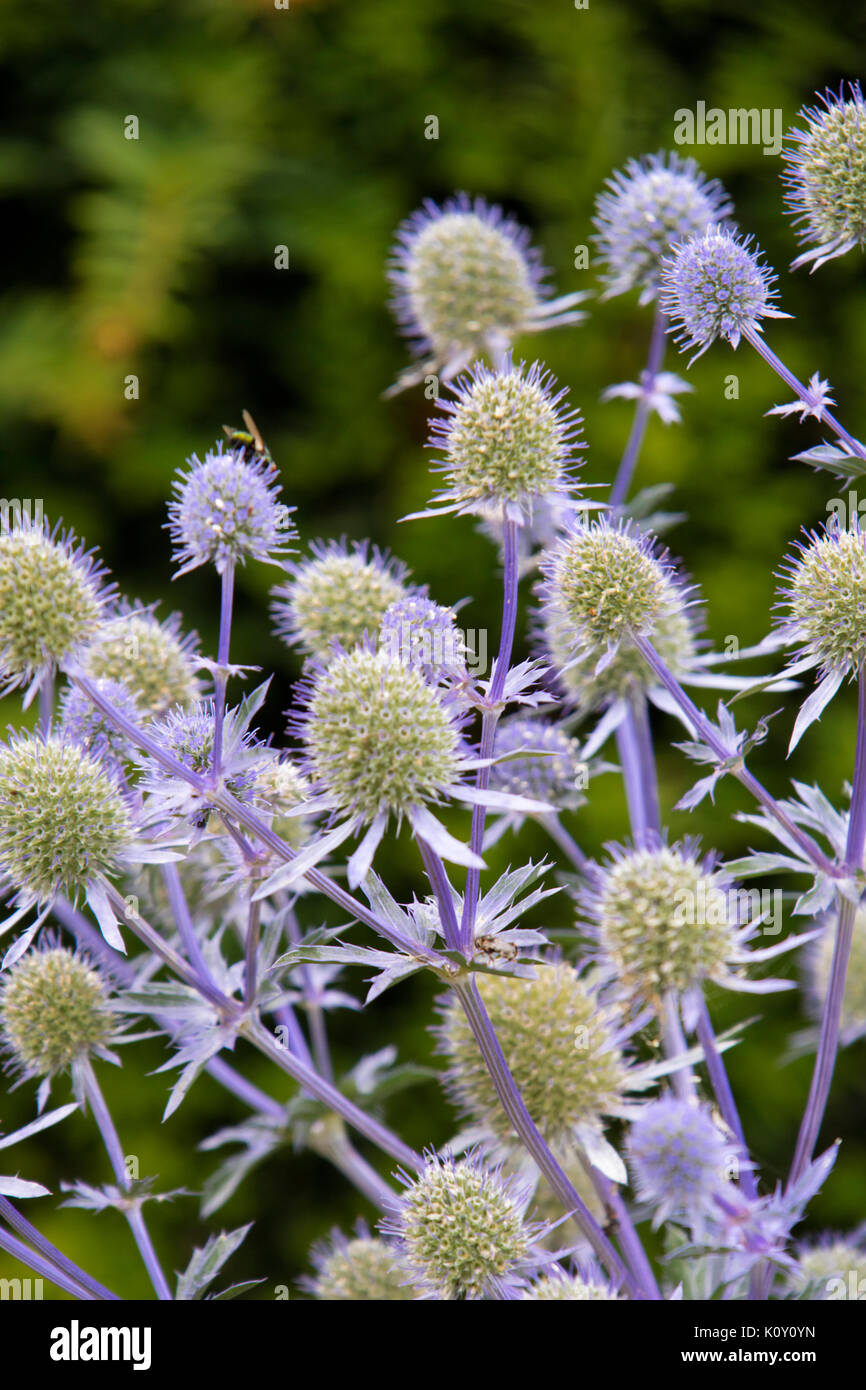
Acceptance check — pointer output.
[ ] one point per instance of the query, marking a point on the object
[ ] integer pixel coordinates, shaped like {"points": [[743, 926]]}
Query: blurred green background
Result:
{"points": [[304, 127]]}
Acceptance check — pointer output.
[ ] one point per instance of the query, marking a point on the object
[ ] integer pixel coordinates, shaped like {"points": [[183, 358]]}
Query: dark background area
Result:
{"points": [[305, 128]]}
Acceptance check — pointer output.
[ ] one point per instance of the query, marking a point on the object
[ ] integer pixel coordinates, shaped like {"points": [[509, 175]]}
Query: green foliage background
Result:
{"points": [[304, 127]]}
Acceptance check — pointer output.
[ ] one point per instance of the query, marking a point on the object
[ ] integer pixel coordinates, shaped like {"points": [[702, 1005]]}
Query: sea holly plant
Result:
{"points": [[164, 863]]}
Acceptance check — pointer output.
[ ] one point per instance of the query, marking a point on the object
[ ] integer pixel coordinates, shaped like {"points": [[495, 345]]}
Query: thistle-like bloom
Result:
{"points": [[55, 1010], [538, 759], [716, 286], [563, 1038], [358, 1270], [650, 206], [382, 741], [823, 611], [226, 511], [680, 1160], [462, 1230], [422, 633], [64, 825], [572, 1286], [188, 734], [825, 176], [833, 1268], [81, 722], [339, 595], [603, 582], [282, 788], [51, 599], [818, 958], [155, 662], [508, 443], [466, 281], [666, 920]]}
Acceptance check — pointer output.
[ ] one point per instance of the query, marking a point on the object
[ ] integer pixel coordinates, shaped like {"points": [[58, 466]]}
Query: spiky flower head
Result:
{"points": [[546, 761], [155, 662], [825, 176], [666, 919], [466, 281], [359, 1270], [379, 738], [188, 735], [54, 1011], [339, 595], [824, 604], [650, 206], [81, 722], [423, 633], [462, 1229], [818, 958], [716, 286], [603, 582], [281, 787], [560, 1042], [63, 818], [571, 1286], [834, 1268], [51, 599], [226, 511], [679, 1158], [507, 441]]}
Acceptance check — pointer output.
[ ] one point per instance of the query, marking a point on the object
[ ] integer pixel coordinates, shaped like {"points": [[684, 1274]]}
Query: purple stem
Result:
{"points": [[29, 1233], [251, 822], [222, 675], [655, 357], [134, 1217], [46, 1269], [633, 1249], [828, 1042], [801, 391], [634, 743], [181, 913], [315, 1013], [725, 1097], [705, 731], [441, 886], [524, 1125], [489, 721]]}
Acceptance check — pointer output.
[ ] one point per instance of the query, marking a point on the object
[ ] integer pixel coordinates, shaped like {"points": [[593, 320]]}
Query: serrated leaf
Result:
{"points": [[207, 1262]]}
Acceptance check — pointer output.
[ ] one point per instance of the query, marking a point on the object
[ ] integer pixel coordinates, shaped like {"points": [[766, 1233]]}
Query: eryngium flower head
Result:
{"points": [[81, 722], [358, 1270], [282, 788], [423, 634], [560, 1043], [188, 734], [151, 658], [507, 441], [570, 1286], [226, 511], [656, 202], [667, 919], [462, 1230], [825, 176], [51, 600], [466, 281], [834, 1268], [549, 767], [603, 582], [63, 818], [379, 738], [679, 1159], [716, 286], [337, 596], [824, 604], [54, 1010], [818, 958]]}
